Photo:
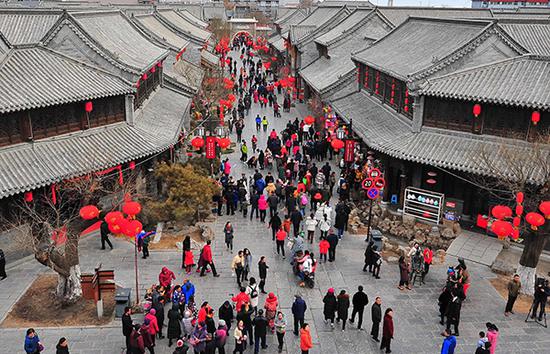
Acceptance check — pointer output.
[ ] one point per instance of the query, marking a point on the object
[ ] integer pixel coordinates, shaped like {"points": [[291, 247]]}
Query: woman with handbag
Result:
{"points": [[32, 342], [240, 338]]}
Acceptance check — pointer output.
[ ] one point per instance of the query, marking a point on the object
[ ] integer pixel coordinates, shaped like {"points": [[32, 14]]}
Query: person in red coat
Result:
{"points": [[165, 280], [241, 298], [428, 258], [387, 330], [207, 259]]}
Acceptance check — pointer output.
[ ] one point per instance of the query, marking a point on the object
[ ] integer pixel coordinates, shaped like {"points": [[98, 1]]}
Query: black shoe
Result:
{"points": [[442, 323], [216, 275], [540, 319], [456, 334], [295, 333], [4, 277], [102, 248]]}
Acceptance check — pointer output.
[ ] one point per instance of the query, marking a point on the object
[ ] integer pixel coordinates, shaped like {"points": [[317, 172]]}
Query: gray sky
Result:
{"points": [[449, 3]]}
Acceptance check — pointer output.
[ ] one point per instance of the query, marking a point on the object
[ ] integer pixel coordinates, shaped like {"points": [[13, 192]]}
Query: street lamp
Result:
{"points": [[220, 131]]}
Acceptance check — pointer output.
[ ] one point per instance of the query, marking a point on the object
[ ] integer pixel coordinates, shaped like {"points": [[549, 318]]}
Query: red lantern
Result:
{"points": [[502, 228], [113, 216], [197, 142], [132, 165], [519, 197], [131, 208], [477, 110], [114, 228], [501, 212], [515, 234], [153, 69], [309, 120], [231, 97], [89, 212], [123, 225], [133, 228], [88, 106], [224, 143], [516, 221], [535, 117], [28, 197], [519, 210], [337, 144], [144, 77], [159, 64], [535, 220], [544, 207]]}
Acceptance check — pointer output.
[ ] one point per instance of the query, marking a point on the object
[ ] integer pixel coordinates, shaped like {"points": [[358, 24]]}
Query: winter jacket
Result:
{"points": [[187, 325], [275, 222], [146, 336], [221, 336], [330, 305], [449, 345], [323, 247], [281, 235], [31, 344], [237, 262], [153, 325], [166, 276], [376, 313], [332, 240], [360, 300], [252, 291], [262, 270], [160, 315], [228, 232], [262, 203], [340, 220], [260, 326], [207, 253], [310, 224], [174, 328], [342, 306], [136, 343], [127, 326], [225, 312], [324, 225], [492, 336], [305, 340], [299, 308], [61, 349], [188, 290], [199, 337], [240, 299], [404, 271], [387, 329], [273, 201], [280, 324]]}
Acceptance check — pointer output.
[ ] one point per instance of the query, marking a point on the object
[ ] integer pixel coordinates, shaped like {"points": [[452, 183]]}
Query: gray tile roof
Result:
{"points": [[213, 10], [118, 35], [184, 26], [278, 42], [192, 18], [290, 16], [29, 166], [297, 32], [161, 31], [40, 77], [521, 81], [535, 37], [295, 19], [183, 74], [398, 15], [340, 30], [26, 26], [386, 131], [210, 57], [418, 43]]}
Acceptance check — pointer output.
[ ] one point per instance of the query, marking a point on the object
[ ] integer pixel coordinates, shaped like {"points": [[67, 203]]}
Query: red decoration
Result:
{"points": [[132, 228], [28, 197], [273, 58], [515, 234], [309, 120], [54, 194], [349, 151], [535, 220], [144, 77], [224, 143], [477, 110], [502, 228], [132, 165], [114, 228], [131, 208], [197, 142], [516, 221], [231, 97], [113, 216], [317, 196], [123, 225], [535, 117], [88, 106], [519, 210], [501, 212], [431, 181], [210, 149], [337, 144], [267, 65], [89, 212], [544, 207], [519, 197], [159, 64]]}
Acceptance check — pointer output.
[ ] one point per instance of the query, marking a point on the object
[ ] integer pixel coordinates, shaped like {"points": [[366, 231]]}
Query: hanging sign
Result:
{"points": [[374, 173], [367, 183], [373, 193], [210, 147], [349, 151]]}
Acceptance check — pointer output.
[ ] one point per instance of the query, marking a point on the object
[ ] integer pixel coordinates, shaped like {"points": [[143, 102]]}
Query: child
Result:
{"points": [[189, 262], [323, 249], [482, 339], [286, 224]]}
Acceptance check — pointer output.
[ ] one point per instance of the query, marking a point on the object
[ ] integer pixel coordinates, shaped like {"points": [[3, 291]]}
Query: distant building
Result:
{"points": [[508, 4]]}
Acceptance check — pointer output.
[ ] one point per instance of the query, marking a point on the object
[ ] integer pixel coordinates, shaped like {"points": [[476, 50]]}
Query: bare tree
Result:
{"points": [[521, 168], [51, 228]]}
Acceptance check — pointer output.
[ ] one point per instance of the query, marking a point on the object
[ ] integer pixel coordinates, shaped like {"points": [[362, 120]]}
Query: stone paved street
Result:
{"points": [[416, 312]]}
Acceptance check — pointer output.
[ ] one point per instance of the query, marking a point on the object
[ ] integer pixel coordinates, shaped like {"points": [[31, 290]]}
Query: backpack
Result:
{"points": [[253, 292]]}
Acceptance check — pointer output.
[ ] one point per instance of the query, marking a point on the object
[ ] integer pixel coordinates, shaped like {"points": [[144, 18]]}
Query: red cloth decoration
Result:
{"points": [[535, 220], [337, 144], [120, 177], [54, 194], [88, 106], [89, 212], [131, 208]]}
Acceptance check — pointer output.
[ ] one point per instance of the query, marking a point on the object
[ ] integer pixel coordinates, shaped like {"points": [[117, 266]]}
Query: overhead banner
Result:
{"points": [[349, 152], [423, 204], [210, 147]]}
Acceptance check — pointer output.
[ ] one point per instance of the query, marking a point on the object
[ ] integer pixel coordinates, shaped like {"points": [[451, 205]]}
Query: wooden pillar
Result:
{"points": [[403, 177]]}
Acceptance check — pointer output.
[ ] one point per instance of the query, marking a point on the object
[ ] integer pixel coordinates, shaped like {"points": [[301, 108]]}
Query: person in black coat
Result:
{"points": [[443, 302], [226, 313], [299, 308], [342, 307], [340, 223], [333, 241], [3, 274], [245, 316], [104, 233], [376, 315], [127, 325], [260, 331], [62, 346], [329, 307], [174, 327], [275, 224], [296, 217], [359, 301], [454, 307], [262, 270], [160, 315], [368, 257]]}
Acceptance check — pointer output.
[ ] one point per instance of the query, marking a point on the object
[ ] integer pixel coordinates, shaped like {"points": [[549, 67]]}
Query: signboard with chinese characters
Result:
{"points": [[210, 147], [423, 204], [349, 151]]}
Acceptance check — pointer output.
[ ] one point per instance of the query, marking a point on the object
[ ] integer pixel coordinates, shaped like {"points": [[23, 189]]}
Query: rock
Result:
{"points": [[440, 256], [448, 234], [392, 259], [457, 229], [408, 220]]}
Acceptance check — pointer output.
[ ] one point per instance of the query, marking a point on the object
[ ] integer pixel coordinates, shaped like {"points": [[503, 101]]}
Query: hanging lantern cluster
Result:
{"points": [[118, 223], [197, 142], [89, 212], [337, 144], [309, 120], [501, 227]]}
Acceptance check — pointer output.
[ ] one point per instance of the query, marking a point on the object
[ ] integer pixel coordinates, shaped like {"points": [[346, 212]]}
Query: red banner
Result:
{"points": [[349, 152], [210, 147]]}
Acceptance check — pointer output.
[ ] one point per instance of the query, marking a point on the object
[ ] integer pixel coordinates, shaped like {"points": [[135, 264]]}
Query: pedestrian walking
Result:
{"points": [[127, 325], [188, 261], [258, 121], [449, 343], [262, 271], [514, 287], [280, 330], [342, 307], [245, 316], [272, 202], [247, 263], [368, 257], [104, 233], [254, 205], [329, 306], [225, 313], [492, 336], [174, 327], [143, 242], [260, 331], [299, 308], [454, 307], [150, 320], [159, 314], [281, 237], [324, 226], [228, 232], [305, 339], [244, 151], [403, 274], [221, 336], [62, 346], [324, 247], [3, 274], [359, 301], [376, 262], [311, 224], [387, 330], [332, 239], [252, 291], [208, 260], [137, 341], [240, 338], [428, 259], [270, 305], [275, 223], [32, 342], [237, 265], [262, 206], [376, 316]]}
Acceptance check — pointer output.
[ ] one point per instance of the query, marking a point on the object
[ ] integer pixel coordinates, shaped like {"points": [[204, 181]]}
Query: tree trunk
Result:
{"points": [[527, 268], [69, 288]]}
